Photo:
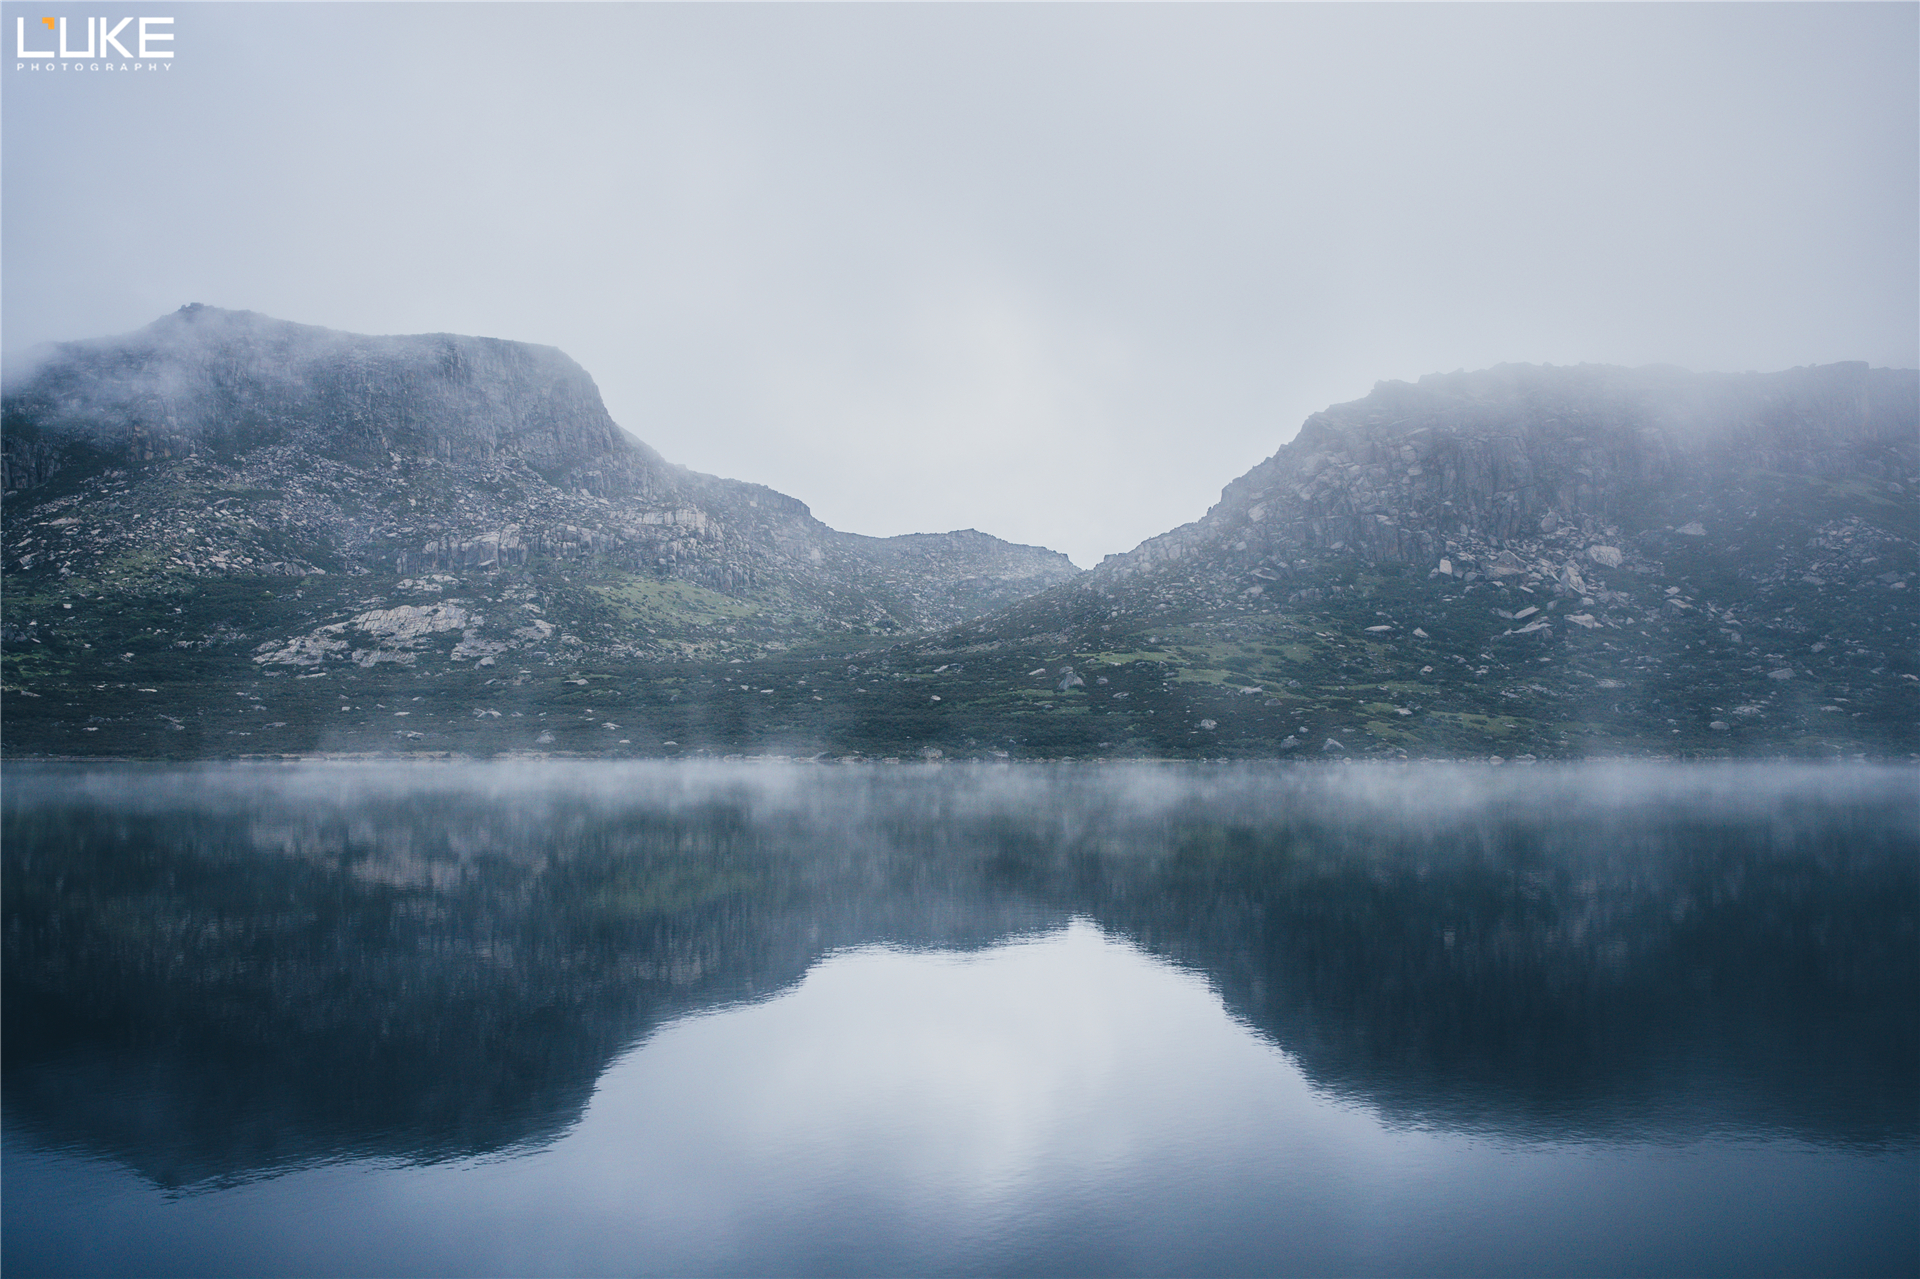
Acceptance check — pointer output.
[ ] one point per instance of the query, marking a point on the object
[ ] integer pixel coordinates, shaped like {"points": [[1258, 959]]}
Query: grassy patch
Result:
{"points": [[1200, 675], [648, 601], [1489, 725], [1123, 659]]}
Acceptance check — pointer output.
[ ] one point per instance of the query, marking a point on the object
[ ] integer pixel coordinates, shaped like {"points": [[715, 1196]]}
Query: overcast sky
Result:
{"points": [[1058, 273]]}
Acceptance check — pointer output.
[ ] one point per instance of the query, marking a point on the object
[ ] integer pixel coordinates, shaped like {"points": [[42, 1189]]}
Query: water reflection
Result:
{"points": [[215, 973]]}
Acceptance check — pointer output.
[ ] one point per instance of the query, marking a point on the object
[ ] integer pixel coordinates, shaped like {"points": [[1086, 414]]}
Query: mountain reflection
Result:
{"points": [[215, 973]]}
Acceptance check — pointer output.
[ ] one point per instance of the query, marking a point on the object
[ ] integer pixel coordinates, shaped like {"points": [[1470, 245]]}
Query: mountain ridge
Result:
{"points": [[1525, 561], [496, 448]]}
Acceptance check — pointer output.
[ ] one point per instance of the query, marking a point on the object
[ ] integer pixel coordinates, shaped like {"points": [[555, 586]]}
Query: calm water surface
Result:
{"points": [[1089, 1020]]}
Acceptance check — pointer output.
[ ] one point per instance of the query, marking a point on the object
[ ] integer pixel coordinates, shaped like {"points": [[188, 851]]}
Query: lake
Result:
{"points": [[764, 1018]]}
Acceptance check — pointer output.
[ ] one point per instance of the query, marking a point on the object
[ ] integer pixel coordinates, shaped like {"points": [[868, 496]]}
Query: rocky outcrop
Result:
{"points": [[27, 458]]}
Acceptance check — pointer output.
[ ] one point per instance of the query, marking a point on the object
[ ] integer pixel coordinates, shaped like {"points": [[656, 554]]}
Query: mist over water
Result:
{"points": [[1079, 1019]]}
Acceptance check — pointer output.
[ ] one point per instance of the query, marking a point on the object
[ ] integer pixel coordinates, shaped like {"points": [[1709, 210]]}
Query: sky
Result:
{"points": [[1056, 272]]}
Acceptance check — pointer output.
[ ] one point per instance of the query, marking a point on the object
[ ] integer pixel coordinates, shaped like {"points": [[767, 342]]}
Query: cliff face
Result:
{"points": [[217, 443]]}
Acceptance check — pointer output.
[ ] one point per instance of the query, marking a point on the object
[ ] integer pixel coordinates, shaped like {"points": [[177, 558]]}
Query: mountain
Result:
{"points": [[228, 535], [217, 444], [1533, 560]]}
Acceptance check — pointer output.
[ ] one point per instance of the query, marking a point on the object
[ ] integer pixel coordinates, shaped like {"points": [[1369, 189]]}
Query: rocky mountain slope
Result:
{"points": [[1549, 463], [218, 444], [1538, 560], [228, 535]]}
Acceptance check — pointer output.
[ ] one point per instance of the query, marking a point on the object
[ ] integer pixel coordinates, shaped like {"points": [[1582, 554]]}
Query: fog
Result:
{"points": [[1058, 273], [854, 799]]}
